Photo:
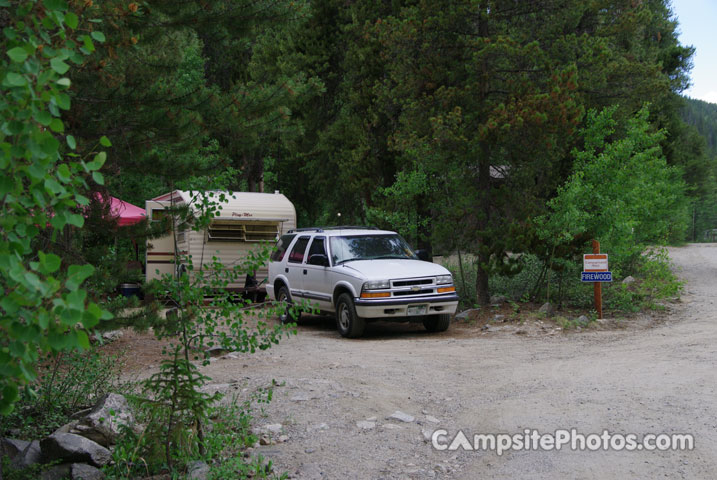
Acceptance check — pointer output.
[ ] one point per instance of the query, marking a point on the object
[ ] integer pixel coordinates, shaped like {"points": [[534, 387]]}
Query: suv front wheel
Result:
{"points": [[437, 323], [348, 323]]}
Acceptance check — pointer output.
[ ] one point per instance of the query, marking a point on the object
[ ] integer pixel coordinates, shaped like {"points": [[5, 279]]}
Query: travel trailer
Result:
{"points": [[245, 219]]}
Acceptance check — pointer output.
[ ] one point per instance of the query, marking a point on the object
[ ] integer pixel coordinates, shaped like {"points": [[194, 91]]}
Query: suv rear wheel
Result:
{"points": [[437, 323], [348, 323], [285, 296]]}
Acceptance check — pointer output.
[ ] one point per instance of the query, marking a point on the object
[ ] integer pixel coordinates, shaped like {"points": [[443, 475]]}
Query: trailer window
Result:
{"points": [[281, 247], [226, 232], [242, 231]]}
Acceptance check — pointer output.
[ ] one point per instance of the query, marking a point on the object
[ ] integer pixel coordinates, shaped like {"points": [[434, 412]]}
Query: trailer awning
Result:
{"points": [[126, 213]]}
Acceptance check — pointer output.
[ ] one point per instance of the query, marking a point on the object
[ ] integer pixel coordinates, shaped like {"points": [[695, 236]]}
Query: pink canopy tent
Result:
{"points": [[126, 213]]}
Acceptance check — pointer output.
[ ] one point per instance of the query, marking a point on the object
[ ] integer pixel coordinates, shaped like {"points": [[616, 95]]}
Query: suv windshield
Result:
{"points": [[369, 247]]}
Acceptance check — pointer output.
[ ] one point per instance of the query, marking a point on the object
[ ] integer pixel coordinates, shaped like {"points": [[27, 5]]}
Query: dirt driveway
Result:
{"points": [[335, 395]]}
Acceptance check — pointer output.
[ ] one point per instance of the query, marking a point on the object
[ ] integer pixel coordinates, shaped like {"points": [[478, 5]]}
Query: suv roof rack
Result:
{"points": [[340, 227]]}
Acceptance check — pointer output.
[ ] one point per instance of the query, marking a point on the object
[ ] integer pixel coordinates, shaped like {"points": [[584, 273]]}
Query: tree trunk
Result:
{"points": [[482, 294]]}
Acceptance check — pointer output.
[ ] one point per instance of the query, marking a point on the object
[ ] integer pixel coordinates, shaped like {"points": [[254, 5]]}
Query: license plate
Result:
{"points": [[416, 310]]}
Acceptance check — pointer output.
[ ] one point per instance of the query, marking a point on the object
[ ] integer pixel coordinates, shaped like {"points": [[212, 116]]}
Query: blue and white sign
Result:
{"points": [[596, 277]]}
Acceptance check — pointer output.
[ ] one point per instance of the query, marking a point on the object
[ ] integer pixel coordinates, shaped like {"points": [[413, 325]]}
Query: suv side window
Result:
{"points": [[317, 247], [297, 253], [281, 247]]}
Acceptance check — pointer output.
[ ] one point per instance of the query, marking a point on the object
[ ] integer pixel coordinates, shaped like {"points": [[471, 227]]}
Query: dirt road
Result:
{"points": [[337, 394]]}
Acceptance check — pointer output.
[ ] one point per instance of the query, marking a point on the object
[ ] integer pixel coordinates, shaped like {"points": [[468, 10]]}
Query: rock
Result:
{"points": [[401, 417], [319, 426], [485, 328], [309, 450], [69, 447], [11, 448], [498, 299], [547, 309], [31, 455], [198, 470], [427, 434], [628, 280], [466, 313], [432, 419], [112, 335], [365, 425], [283, 438], [391, 426], [82, 471], [57, 472], [273, 428], [264, 440], [499, 318], [216, 351], [583, 321], [371, 419], [103, 423], [300, 397]]}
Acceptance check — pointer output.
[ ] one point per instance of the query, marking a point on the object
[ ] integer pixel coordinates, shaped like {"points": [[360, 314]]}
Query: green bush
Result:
{"points": [[67, 383], [654, 281]]}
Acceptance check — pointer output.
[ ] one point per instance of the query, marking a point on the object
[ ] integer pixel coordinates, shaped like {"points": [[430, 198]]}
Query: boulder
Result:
{"points": [[57, 472], [498, 299], [69, 447], [582, 321], [102, 424], [82, 471], [11, 448], [465, 314], [198, 470], [547, 309], [628, 280]]}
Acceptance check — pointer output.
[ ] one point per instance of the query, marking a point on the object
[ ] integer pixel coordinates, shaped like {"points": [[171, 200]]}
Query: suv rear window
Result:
{"points": [[297, 253], [281, 246]]}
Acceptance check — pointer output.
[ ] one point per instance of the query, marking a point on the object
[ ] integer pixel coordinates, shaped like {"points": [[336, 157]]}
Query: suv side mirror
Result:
{"points": [[423, 255], [319, 259]]}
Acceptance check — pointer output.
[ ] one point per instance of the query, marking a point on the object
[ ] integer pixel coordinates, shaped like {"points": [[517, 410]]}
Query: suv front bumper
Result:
{"points": [[387, 308]]}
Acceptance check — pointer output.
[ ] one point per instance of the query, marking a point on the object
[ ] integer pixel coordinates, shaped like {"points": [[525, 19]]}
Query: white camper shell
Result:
{"points": [[245, 219]]}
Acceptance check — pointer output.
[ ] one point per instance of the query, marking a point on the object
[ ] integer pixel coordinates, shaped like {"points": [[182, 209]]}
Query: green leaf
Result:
{"points": [[59, 65], [55, 4], [71, 20], [76, 299], [64, 82], [105, 142], [56, 125], [43, 117], [6, 184], [13, 79], [83, 339], [63, 173], [75, 219], [17, 54], [76, 274], [99, 36], [63, 101], [50, 262], [71, 142], [98, 178]]}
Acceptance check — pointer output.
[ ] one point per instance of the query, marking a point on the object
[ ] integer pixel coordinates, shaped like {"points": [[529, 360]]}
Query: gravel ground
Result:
{"points": [[331, 413]]}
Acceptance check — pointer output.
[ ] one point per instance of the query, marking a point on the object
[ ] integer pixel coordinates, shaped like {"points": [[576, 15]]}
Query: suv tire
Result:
{"points": [[348, 323], [437, 323], [285, 296]]}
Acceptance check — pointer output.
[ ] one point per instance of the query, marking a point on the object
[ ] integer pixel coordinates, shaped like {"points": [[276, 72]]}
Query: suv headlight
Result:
{"points": [[376, 285], [444, 279]]}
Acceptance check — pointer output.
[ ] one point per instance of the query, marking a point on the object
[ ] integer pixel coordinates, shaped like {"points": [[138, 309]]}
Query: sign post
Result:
{"points": [[595, 269]]}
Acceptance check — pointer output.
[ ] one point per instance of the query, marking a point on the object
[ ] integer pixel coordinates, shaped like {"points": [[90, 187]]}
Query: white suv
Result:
{"points": [[361, 275]]}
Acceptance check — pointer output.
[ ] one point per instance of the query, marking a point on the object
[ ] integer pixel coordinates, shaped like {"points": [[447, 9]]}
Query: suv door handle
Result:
{"points": [[304, 271], [286, 270]]}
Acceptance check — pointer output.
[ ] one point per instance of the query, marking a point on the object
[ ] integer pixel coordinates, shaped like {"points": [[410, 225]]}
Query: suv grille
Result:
{"points": [[413, 282]]}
